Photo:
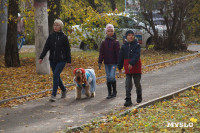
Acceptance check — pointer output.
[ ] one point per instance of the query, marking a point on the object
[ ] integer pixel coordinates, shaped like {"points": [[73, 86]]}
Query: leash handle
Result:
{"points": [[72, 67]]}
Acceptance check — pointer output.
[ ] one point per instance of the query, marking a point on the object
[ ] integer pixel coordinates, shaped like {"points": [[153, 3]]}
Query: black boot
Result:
{"points": [[139, 96], [128, 102], [114, 89], [109, 90]]}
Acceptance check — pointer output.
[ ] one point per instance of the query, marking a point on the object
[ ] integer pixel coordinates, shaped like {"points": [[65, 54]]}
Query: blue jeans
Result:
{"points": [[57, 68], [110, 72], [20, 41]]}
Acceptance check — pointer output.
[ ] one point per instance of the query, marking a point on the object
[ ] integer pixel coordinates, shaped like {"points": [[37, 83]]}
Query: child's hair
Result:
{"points": [[129, 32]]}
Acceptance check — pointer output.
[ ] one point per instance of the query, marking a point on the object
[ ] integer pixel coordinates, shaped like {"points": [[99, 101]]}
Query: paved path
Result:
{"points": [[41, 116], [194, 47]]}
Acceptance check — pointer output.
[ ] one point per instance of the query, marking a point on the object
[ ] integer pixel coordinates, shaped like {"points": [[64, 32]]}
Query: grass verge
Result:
{"points": [[180, 114]]}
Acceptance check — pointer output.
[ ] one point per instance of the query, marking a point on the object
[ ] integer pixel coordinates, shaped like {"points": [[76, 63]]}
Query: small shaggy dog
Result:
{"points": [[85, 81]]}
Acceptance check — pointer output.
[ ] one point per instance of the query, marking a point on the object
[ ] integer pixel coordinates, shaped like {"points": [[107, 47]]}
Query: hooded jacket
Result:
{"points": [[109, 50], [130, 54], [58, 44]]}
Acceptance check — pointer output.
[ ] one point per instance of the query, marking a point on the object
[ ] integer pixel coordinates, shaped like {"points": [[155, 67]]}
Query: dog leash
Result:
{"points": [[72, 69]]}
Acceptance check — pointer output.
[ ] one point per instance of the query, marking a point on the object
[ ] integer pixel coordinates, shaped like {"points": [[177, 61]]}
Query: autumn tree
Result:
{"points": [[54, 9], [87, 25], [193, 22], [11, 51], [93, 4], [113, 5], [174, 13], [106, 5]]}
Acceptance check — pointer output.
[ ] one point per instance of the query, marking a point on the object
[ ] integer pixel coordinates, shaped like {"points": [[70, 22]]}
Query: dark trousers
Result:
{"points": [[57, 68], [129, 84]]}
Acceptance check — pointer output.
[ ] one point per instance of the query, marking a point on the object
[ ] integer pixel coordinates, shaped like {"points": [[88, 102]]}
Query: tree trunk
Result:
{"points": [[3, 25], [113, 4], [92, 4], [41, 34], [54, 13], [11, 53]]}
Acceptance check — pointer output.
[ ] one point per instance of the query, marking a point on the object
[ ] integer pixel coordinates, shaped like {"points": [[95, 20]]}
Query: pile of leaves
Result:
{"points": [[180, 114], [24, 80]]}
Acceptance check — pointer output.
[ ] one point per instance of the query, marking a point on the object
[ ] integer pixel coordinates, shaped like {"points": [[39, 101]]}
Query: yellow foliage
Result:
{"points": [[92, 23], [114, 118], [54, 7], [193, 120], [96, 1]]}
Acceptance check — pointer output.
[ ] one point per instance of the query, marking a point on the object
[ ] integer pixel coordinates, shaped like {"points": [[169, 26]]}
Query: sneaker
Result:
{"points": [[63, 94], [52, 99]]}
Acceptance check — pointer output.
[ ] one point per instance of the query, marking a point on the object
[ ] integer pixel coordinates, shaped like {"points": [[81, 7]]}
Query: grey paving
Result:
{"points": [[41, 116], [194, 47]]}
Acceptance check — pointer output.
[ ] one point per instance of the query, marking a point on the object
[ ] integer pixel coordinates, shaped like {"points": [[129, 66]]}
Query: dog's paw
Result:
{"points": [[92, 94], [78, 98], [88, 95]]}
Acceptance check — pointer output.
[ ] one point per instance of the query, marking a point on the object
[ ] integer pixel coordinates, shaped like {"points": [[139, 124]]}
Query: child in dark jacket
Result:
{"points": [[129, 57], [109, 52]]}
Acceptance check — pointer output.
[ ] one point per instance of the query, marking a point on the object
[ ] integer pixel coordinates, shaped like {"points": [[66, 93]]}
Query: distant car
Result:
{"points": [[125, 22]]}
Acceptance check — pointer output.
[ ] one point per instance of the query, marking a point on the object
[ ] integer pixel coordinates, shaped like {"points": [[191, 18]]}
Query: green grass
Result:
{"points": [[183, 110], [27, 55], [85, 53]]}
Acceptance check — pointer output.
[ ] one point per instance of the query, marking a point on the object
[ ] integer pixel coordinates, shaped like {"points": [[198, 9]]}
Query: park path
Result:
{"points": [[42, 116]]}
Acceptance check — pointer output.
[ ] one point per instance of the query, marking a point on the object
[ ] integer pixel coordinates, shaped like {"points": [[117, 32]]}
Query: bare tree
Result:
{"points": [[41, 34], [11, 51], [174, 13]]}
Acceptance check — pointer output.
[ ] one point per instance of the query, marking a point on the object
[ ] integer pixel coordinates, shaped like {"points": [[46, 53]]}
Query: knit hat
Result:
{"points": [[109, 26], [129, 32], [58, 21]]}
